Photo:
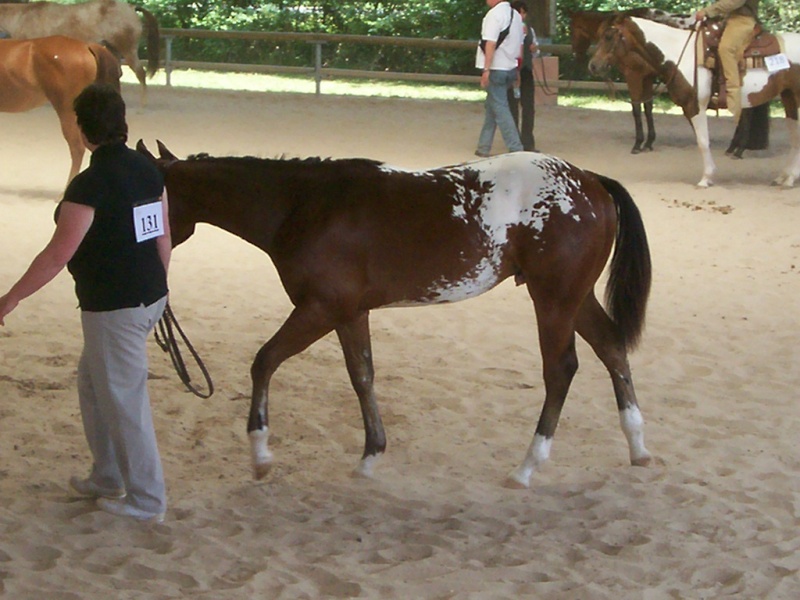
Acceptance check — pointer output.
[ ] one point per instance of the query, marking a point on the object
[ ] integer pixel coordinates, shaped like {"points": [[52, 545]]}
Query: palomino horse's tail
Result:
{"points": [[630, 274], [108, 67], [153, 40]]}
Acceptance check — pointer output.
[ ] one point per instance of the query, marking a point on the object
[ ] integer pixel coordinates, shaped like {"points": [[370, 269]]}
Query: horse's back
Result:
{"points": [[93, 21]]}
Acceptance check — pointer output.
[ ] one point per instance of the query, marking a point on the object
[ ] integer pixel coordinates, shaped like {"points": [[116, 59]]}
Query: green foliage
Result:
{"points": [[448, 19]]}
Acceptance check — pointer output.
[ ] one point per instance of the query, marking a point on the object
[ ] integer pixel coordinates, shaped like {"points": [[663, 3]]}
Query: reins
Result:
{"points": [[166, 340]]}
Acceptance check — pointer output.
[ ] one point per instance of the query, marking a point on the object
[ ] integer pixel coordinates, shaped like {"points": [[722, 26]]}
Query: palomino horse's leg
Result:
{"points": [[560, 362], [595, 326], [355, 340], [303, 327], [636, 111], [651, 126]]}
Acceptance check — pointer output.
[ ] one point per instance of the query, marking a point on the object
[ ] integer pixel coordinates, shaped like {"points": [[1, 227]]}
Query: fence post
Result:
{"points": [[318, 66], [168, 60]]}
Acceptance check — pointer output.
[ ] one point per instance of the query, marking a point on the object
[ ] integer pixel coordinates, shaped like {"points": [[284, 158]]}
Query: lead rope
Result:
{"points": [[165, 338]]}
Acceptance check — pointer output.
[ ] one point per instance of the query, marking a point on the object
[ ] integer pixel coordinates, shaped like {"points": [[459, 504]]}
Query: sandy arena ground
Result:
{"points": [[717, 374]]}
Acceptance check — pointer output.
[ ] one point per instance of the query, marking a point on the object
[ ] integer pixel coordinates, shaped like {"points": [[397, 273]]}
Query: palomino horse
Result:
{"points": [[632, 43], [349, 236], [103, 21], [585, 28], [54, 69]]}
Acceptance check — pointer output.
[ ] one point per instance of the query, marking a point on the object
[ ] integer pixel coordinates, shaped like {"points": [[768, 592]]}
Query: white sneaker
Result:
{"points": [[89, 489], [122, 509]]}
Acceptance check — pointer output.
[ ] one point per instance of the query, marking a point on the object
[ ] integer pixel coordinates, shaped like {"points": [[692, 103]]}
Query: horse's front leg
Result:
{"points": [[304, 326], [355, 340], [651, 125], [636, 111]]}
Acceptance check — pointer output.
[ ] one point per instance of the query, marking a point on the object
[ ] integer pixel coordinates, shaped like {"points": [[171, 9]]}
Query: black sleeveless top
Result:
{"points": [[111, 269]]}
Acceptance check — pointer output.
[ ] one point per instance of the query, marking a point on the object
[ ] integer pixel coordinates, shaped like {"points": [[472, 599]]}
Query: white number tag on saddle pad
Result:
{"points": [[776, 62], [148, 220]]}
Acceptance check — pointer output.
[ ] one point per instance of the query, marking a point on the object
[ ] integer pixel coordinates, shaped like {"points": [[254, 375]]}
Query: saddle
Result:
{"points": [[762, 43]]}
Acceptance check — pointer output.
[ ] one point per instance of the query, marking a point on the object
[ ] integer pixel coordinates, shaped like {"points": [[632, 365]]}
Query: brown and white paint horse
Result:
{"points": [[110, 22], [349, 236], [639, 44], [585, 29]]}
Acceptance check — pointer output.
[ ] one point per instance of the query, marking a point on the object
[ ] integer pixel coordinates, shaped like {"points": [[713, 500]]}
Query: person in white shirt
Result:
{"points": [[502, 34]]}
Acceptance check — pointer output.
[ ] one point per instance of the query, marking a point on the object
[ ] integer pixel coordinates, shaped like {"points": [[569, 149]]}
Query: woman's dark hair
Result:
{"points": [[101, 114]]}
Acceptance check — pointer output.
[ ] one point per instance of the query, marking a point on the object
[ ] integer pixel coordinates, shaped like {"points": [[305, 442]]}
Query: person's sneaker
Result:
{"points": [[122, 509], [482, 154], [89, 489]]}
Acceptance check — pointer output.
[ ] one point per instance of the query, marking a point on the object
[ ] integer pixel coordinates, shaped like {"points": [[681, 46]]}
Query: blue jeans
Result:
{"points": [[498, 113]]}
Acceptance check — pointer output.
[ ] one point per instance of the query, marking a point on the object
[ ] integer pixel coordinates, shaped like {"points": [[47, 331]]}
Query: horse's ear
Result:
{"points": [[142, 149], [164, 152]]}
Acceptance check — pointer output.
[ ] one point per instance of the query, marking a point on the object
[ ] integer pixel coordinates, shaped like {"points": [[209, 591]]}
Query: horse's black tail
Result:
{"points": [[153, 41], [630, 273]]}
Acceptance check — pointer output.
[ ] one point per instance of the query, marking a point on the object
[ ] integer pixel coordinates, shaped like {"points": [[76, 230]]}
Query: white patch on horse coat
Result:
{"points": [[632, 424], [259, 452], [524, 190], [538, 453]]}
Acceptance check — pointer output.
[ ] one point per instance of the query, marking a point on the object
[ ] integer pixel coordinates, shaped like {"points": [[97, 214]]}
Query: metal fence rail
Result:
{"points": [[320, 72]]}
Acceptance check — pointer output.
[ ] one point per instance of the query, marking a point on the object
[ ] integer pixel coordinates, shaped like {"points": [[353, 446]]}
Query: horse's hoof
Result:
{"points": [[642, 461], [518, 479], [261, 470], [513, 484], [636, 151], [365, 467]]}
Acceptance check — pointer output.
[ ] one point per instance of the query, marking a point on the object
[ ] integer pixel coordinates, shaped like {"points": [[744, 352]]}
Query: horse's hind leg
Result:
{"points": [[138, 68], [595, 326], [304, 326], [355, 340], [560, 362]]}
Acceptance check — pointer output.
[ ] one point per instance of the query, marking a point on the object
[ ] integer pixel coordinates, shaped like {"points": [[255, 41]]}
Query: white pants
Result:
{"points": [[115, 404]]}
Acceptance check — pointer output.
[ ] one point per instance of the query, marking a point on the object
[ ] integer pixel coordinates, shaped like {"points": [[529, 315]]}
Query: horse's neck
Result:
{"points": [[670, 40], [676, 45], [244, 201]]}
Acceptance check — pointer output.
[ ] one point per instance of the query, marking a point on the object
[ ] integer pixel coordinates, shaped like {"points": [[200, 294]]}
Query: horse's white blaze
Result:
{"points": [[632, 424], [259, 451], [538, 453]]}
